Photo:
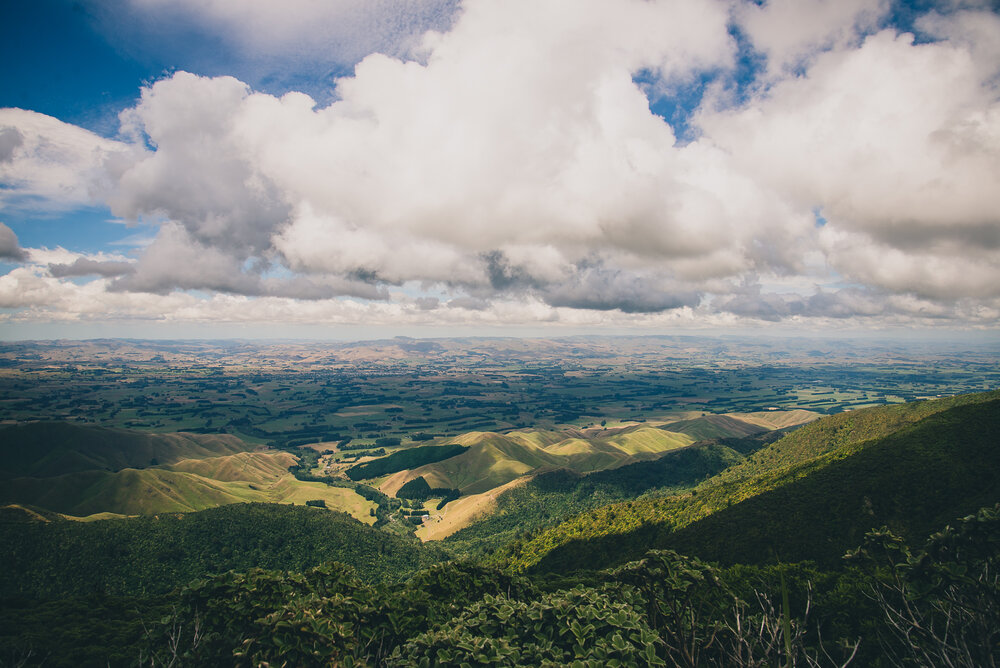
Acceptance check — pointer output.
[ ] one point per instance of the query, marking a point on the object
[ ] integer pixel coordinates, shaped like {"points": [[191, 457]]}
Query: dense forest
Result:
{"points": [[405, 459], [888, 604], [155, 554], [878, 466]]}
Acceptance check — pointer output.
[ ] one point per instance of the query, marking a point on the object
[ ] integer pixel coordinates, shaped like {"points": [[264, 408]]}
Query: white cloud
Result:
{"points": [[944, 271], [351, 29], [35, 296], [87, 267], [48, 164], [790, 32], [198, 174], [515, 170], [10, 249], [977, 31], [523, 134], [899, 146]]}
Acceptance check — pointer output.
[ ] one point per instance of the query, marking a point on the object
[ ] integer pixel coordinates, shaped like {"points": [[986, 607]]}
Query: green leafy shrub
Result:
{"points": [[684, 599], [232, 614], [581, 626], [941, 604]]}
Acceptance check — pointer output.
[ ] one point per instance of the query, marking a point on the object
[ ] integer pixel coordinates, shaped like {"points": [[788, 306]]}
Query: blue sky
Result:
{"points": [[485, 166]]}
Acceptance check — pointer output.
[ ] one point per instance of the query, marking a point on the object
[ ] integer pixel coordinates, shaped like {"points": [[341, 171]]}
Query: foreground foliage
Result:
{"points": [[153, 555], [941, 605], [890, 605]]}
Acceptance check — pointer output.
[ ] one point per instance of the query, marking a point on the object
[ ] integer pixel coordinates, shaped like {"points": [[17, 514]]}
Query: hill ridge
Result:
{"points": [[752, 477]]}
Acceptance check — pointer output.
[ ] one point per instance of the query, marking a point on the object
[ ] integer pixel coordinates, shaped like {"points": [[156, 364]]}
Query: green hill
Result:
{"points": [[92, 471], [16, 513], [127, 492], [404, 459], [904, 447], [714, 426], [154, 554], [842, 430], [914, 481], [48, 449], [552, 495], [194, 485], [493, 460]]}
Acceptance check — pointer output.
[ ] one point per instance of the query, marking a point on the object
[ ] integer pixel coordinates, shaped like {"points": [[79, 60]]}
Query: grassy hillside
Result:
{"points": [[550, 496], [464, 511], [845, 429], [127, 492], [48, 449], [493, 460], [777, 419], [496, 459], [14, 513], [404, 459], [148, 555], [92, 472], [921, 449], [715, 426], [160, 490]]}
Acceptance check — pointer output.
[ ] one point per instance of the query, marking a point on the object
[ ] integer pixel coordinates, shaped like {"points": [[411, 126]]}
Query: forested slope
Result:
{"points": [[47, 449], [913, 481], [553, 495], [147, 555], [85, 471], [909, 449]]}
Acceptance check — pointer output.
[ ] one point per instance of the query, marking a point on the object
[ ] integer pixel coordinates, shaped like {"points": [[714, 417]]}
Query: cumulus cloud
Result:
{"points": [[790, 32], [10, 249], [175, 261], [508, 163], [87, 267], [198, 174], [31, 295], [977, 31], [346, 29], [854, 304], [898, 144], [10, 139], [48, 164], [427, 170]]}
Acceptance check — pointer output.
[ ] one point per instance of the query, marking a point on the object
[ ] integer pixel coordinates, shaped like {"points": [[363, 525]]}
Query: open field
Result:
{"points": [[302, 393]]}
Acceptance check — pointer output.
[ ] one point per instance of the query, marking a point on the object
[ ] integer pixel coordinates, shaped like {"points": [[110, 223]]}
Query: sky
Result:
{"points": [[358, 168]]}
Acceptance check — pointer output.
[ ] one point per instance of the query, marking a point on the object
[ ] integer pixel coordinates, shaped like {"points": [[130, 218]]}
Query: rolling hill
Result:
{"points": [[154, 554], [93, 472], [495, 459], [914, 481], [48, 449], [911, 466], [552, 495]]}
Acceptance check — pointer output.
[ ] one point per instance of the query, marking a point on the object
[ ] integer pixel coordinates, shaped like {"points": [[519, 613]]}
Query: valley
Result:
{"points": [[539, 470]]}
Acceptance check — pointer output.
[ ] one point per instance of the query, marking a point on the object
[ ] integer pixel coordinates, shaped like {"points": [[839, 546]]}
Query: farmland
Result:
{"points": [[297, 393]]}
